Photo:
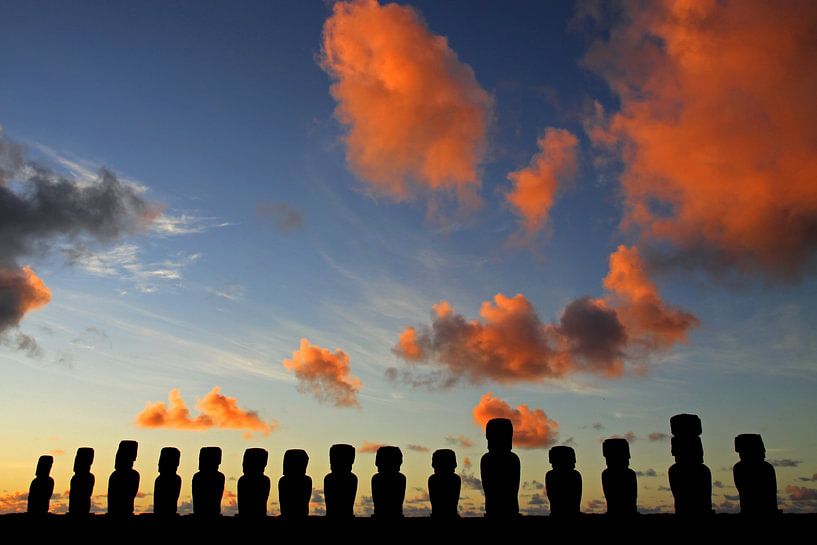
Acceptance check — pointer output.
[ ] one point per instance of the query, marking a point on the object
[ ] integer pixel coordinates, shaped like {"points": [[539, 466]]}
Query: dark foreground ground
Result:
{"points": [[18, 528]]}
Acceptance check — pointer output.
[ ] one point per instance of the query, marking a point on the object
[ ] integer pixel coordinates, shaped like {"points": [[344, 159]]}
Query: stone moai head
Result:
{"points": [[295, 462], [44, 464], [685, 425], [499, 432], [83, 460], [616, 451], [562, 457], [444, 461], [388, 459], [750, 447], [341, 458], [688, 449], [255, 461], [169, 459], [209, 458], [126, 454]]}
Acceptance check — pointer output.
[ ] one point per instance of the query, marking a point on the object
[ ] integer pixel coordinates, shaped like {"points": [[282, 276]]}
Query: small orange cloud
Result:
{"points": [[218, 411], [324, 374], [647, 318], [20, 292], [369, 447], [466, 462], [535, 186], [531, 428], [716, 129], [460, 440], [416, 117]]}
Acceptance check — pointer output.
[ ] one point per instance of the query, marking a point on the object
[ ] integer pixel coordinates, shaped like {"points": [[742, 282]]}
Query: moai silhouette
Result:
{"points": [[388, 484], [82, 483], [253, 486], [123, 484], [208, 484], [168, 484], [563, 483], [499, 470], [42, 487], [340, 485], [619, 481], [295, 486], [755, 478], [689, 479], [444, 485]]}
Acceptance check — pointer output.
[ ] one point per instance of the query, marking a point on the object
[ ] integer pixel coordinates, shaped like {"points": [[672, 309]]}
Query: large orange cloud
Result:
{"points": [[217, 411], [416, 117], [531, 427], [512, 344], [717, 129], [324, 374], [535, 186]]}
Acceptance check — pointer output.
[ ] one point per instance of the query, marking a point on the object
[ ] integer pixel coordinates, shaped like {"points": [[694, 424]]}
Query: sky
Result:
{"points": [[293, 224]]}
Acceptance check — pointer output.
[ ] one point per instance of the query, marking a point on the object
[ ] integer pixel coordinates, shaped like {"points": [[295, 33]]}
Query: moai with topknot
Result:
{"points": [[563, 483], [689, 479], [208, 484], [253, 485], [755, 478], [444, 485], [618, 481], [500, 470], [388, 484], [123, 484], [82, 483], [340, 484], [42, 488], [295, 486], [168, 484]]}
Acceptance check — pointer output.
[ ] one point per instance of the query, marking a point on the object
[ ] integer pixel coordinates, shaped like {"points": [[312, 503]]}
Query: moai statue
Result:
{"points": [[253, 486], [388, 484], [689, 479], [563, 483], [619, 481], [208, 484], [42, 487], [168, 484], [755, 478], [295, 486], [444, 485], [82, 483], [499, 471], [340, 485], [123, 484]]}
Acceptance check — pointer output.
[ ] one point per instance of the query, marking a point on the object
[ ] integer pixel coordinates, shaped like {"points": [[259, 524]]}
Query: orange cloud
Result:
{"points": [[511, 344], [416, 117], [369, 447], [531, 428], [14, 502], [649, 321], [717, 129], [324, 374], [535, 186], [217, 411], [20, 292]]}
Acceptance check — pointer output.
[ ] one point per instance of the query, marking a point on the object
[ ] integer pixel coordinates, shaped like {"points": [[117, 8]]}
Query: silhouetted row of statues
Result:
{"points": [[690, 480]]}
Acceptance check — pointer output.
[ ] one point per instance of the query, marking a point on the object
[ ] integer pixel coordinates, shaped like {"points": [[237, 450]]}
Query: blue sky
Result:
{"points": [[218, 108]]}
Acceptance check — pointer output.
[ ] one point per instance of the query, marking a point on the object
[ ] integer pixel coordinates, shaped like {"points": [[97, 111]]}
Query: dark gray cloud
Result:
{"points": [[40, 208], [285, 217], [785, 462]]}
